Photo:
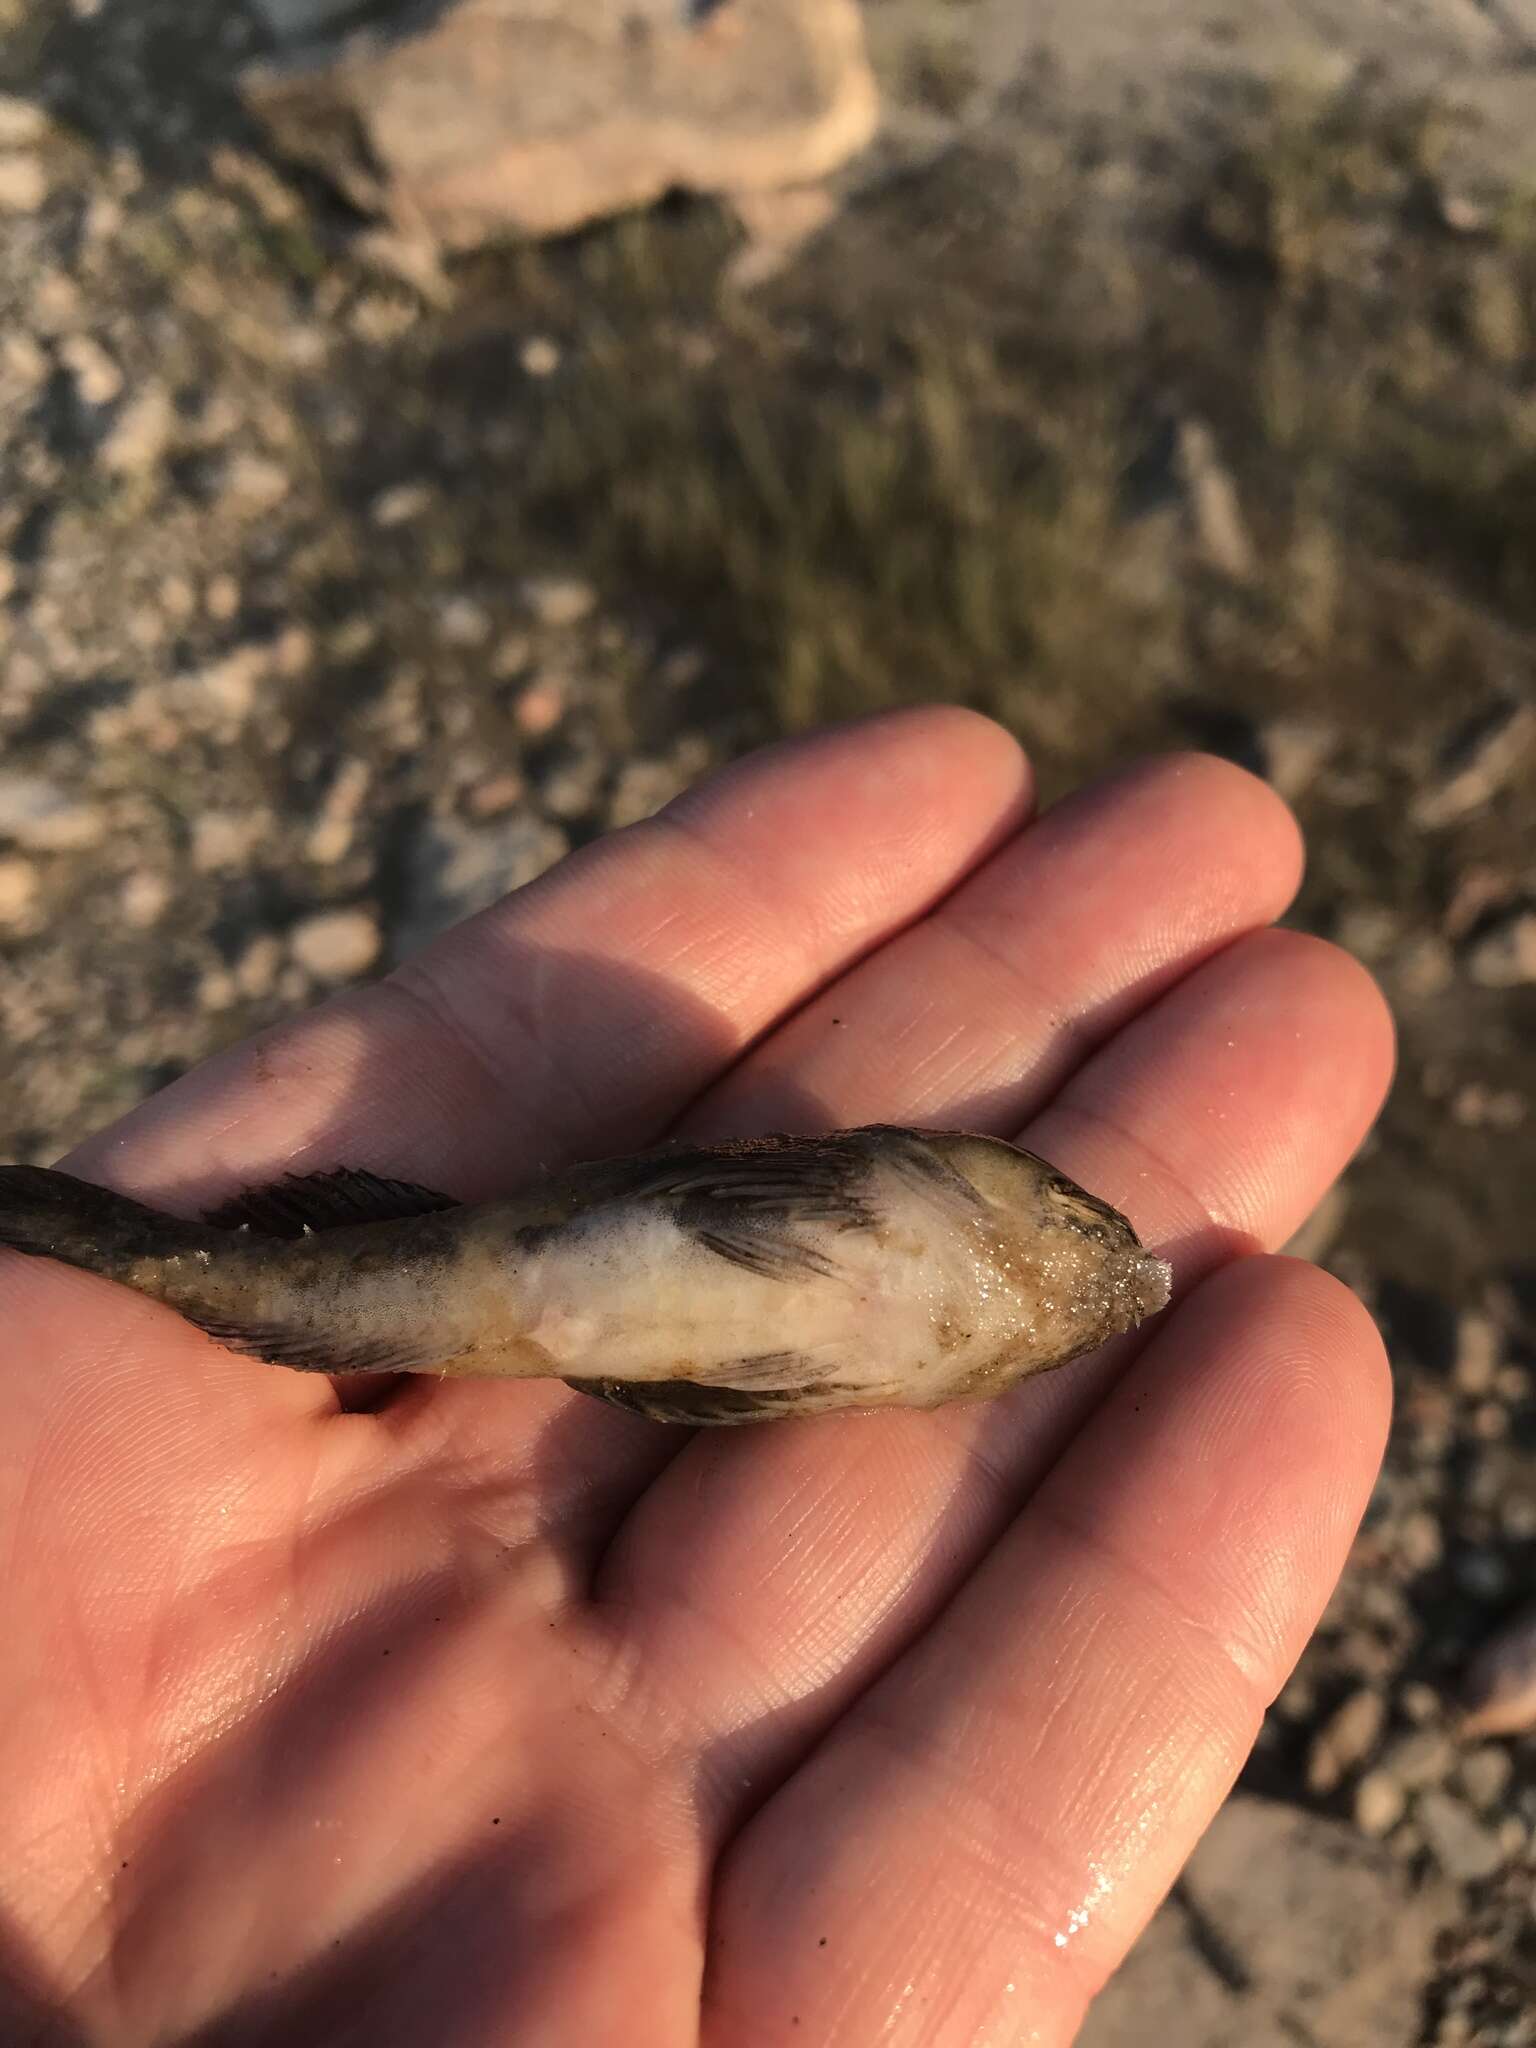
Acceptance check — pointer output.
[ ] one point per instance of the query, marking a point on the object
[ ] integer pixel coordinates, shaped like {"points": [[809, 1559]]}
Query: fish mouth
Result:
{"points": [[1152, 1285]]}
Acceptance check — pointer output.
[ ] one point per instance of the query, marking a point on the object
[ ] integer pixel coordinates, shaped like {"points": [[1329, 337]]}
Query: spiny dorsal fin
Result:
{"points": [[300, 1202]]}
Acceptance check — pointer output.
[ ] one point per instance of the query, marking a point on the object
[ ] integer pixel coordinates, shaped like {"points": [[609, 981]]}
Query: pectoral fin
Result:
{"points": [[684, 1401]]}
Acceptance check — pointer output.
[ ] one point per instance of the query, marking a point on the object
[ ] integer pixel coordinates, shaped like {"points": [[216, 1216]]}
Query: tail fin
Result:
{"points": [[54, 1216]]}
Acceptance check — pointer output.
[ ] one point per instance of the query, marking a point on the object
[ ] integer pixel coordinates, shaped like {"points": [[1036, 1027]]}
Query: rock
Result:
{"points": [[1485, 1776], [1499, 1691], [141, 433], [1348, 1736], [335, 945], [1284, 1928], [1479, 1352], [1466, 1851], [455, 869], [479, 117], [143, 899], [97, 377], [42, 818], [1420, 1759], [22, 122], [539, 708], [1419, 1703], [1504, 956], [1482, 1108], [539, 356], [400, 504], [1419, 1542], [255, 483], [558, 600], [23, 184], [496, 794], [225, 840], [257, 969], [1478, 762], [463, 622], [18, 890], [1483, 1574], [1380, 1803]]}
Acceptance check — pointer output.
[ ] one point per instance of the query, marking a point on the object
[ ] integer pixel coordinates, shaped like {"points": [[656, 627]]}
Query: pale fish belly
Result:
{"points": [[631, 1296]]}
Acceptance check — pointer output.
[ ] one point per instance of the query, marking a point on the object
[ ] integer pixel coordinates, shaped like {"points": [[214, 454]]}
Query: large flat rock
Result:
{"points": [[478, 117], [1284, 1928]]}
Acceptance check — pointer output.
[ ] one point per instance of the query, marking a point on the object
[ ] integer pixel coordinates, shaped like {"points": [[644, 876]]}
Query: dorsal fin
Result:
{"points": [[301, 1202]]}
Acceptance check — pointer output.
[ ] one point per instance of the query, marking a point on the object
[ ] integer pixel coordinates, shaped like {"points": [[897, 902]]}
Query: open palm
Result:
{"points": [[487, 1714]]}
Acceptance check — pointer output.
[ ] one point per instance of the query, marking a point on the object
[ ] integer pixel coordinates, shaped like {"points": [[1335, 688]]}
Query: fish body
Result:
{"points": [[729, 1283]]}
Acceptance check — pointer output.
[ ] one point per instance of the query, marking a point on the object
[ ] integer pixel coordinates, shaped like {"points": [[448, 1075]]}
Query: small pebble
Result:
{"points": [[539, 356], [140, 434], [497, 793], [225, 840], [1482, 1573], [97, 377], [400, 504], [23, 184], [1485, 1774], [1350, 1733], [335, 945], [463, 622], [257, 968], [222, 598], [255, 483], [1419, 1541], [42, 818], [559, 600], [539, 709], [1380, 1803], [143, 899], [1422, 1758], [1466, 1851], [1479, 1349], [18, 890], [22, 122]]}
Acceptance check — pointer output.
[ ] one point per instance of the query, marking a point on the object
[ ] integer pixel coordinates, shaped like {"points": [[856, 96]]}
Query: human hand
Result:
{"points": [[491, 1715]]}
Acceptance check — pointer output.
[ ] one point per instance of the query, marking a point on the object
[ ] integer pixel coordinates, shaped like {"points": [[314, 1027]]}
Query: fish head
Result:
{"points": [[1077, 1271]]}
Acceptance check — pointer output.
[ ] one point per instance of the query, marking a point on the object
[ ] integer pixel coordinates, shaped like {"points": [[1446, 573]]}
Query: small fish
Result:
{"points": [[727, 1283]]}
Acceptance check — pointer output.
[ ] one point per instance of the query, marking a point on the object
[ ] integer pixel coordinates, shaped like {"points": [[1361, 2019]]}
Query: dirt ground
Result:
{"points": [[1168, 375]]}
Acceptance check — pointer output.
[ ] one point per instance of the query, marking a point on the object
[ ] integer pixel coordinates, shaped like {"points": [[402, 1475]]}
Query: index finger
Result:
{"points": [[585, 1011]]}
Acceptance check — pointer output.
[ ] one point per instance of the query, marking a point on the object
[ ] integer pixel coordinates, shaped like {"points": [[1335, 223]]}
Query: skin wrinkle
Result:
{"points": [[1250, 1666], [747, 883]]}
